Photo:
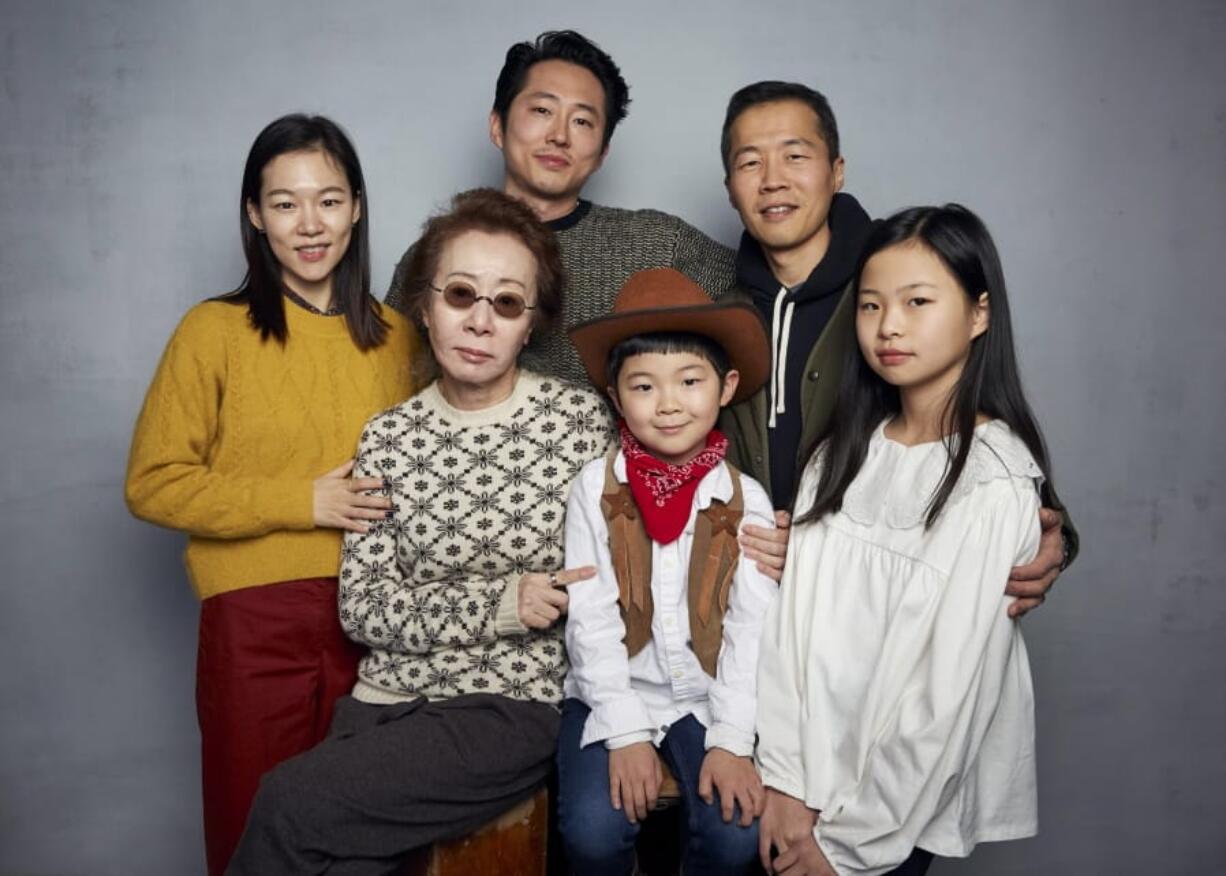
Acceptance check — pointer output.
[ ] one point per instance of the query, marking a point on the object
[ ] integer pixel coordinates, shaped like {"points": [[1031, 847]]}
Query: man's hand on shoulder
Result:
{"points": [[1030, 583], [768, 547]]}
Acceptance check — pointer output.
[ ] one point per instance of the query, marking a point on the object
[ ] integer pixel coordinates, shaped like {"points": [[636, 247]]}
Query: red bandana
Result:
{"points": [[664, 492]]}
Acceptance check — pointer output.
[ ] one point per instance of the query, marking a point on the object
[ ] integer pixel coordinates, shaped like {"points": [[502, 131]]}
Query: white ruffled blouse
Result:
{"points": [[894, 691]]}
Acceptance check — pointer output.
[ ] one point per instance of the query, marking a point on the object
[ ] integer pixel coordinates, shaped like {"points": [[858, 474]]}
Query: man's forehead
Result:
{"points": [[782, 121], [563, 81]]}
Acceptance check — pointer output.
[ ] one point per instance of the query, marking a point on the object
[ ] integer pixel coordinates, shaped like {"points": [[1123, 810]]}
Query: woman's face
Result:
{"points": [[475, 346], [307, 211]]}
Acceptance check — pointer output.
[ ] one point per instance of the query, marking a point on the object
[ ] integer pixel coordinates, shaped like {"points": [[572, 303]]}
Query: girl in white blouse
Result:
{"points": [[895, 707]]}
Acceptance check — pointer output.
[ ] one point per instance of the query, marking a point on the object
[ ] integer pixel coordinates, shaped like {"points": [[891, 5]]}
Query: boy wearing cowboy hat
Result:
{"points": [[663, 643]]}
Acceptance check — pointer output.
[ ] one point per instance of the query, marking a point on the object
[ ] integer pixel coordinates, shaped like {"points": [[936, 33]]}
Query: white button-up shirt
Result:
{"points": [[637, 699]]}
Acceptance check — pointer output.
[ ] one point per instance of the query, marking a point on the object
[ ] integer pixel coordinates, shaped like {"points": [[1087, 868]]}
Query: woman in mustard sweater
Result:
{"points": [[245, 442]]}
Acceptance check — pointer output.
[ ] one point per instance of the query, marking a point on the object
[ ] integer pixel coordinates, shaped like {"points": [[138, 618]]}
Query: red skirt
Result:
{"points": [[272, 661]]}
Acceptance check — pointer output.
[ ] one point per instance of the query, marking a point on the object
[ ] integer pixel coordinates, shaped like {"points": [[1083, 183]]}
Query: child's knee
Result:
{"points": [[592, 830], [726, 842]]}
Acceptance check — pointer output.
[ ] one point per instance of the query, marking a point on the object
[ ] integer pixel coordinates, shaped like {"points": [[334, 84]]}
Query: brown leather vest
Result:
{"points": [[713, 560]]}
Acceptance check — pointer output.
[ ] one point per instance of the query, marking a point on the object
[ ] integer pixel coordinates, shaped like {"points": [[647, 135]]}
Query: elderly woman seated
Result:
{"points": [[454, 716]]}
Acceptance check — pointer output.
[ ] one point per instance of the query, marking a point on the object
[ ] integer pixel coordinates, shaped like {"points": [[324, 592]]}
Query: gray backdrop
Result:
{"points": [[1091, 136]]}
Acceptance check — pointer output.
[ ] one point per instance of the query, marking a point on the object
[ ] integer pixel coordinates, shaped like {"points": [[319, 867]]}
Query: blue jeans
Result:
{"points": [[599, 839]]}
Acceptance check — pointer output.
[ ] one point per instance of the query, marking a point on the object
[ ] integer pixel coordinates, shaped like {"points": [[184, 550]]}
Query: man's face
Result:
{"points": [[781, 179], [553, 139]]}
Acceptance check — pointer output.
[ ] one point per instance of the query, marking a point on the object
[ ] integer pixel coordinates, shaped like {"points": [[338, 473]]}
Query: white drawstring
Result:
{"points": [[780, 334]]}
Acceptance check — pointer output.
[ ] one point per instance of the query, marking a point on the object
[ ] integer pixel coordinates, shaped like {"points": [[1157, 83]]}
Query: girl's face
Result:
{"points": [[308, 211], [914, 321], [476, 347]]}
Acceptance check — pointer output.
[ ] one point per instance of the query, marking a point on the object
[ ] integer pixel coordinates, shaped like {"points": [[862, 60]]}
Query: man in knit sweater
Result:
{"points": [[556, 105]]}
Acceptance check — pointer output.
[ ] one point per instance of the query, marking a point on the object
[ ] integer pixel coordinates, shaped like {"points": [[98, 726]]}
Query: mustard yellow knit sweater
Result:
{"points": [[234, 431]]}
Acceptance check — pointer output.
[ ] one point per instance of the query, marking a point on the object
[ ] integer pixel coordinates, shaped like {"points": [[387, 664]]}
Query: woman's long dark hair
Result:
{"points": [[262, 290], [989, 384]]}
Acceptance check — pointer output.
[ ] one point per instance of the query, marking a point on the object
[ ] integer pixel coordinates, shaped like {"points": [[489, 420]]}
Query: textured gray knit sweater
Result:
{"points": [[480, 499], [601, 248]]}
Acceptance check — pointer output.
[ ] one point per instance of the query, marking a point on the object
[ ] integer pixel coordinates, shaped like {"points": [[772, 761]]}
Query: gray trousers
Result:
{"points": [[389, 779]]}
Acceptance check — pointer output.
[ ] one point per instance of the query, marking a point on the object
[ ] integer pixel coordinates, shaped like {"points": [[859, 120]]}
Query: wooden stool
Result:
{"points": [[670, 794], [657, 850], [514, 842]]}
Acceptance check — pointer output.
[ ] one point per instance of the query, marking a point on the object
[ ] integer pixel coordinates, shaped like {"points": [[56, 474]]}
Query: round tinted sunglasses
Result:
{"points": [[461, 296]]}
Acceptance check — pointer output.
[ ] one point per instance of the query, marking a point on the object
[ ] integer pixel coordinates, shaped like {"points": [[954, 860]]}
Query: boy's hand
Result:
{"points": [[1030, 583], [542, 595], [634, 780], [768, 547], [736, 780], [785, 823]]}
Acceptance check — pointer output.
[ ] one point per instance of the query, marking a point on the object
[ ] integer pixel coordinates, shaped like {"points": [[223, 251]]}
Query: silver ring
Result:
{"points": [[553, 579]]}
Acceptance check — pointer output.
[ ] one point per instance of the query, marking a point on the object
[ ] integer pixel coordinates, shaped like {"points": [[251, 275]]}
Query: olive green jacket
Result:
{"points": [[744, 424]]}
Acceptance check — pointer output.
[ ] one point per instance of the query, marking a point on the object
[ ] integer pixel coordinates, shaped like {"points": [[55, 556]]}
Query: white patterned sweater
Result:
{"points": [[480, 499]]}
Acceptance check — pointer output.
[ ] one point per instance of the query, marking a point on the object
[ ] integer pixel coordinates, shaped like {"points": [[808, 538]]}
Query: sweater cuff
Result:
{"points": [[507, 622], [285, 503]]}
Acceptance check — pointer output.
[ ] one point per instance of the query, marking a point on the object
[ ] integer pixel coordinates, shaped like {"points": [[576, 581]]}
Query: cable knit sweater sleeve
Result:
{"points": [[170, 481], [397, 291], [706, 262]]}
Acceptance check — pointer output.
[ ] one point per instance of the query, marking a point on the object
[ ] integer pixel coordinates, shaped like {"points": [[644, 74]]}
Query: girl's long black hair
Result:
{"points": [[989, 384], [262, 289]]}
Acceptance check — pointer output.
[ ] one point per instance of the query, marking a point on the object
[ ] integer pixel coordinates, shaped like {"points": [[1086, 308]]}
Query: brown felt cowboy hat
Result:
{"points": [[666, 300]]}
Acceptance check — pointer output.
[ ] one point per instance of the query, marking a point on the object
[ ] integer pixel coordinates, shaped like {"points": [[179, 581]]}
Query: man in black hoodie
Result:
{"points": [[797, 260], [783, 171]]}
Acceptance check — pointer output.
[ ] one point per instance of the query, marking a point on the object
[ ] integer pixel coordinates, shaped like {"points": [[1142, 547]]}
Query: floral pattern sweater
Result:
{"points": [[480, 500]]}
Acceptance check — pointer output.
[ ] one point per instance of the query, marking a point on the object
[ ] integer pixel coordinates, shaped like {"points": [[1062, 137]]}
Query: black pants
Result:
{"points": [[916, 865], [389, 779]]}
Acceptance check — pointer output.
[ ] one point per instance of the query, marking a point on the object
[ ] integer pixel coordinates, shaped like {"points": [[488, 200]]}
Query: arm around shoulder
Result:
{"points": [[708, 263], [170, 480], [397, 293], [1072, 541]]}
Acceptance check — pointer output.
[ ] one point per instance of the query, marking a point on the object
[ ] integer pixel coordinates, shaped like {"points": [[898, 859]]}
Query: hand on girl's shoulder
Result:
{"points": [[759, 511]]}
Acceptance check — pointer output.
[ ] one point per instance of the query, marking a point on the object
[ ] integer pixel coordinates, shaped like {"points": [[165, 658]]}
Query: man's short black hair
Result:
{"points": [[574, 48], [667, 342], [771, 91]]}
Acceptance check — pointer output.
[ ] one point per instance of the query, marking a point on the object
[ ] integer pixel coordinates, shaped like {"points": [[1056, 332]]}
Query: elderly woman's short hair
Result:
{"points": [[492, 212]]}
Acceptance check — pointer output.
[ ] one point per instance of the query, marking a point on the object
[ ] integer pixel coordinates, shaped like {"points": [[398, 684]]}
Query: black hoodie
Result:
{"points": [[797, 318]]}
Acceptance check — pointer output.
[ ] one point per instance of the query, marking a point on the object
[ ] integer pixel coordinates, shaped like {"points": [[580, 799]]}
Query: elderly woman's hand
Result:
{"points": [[542, 595]]}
